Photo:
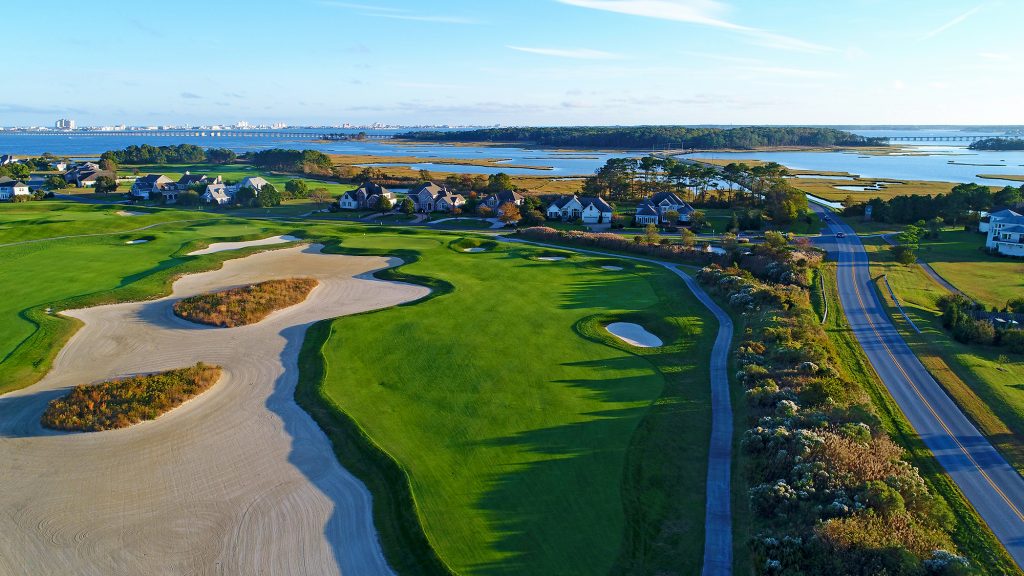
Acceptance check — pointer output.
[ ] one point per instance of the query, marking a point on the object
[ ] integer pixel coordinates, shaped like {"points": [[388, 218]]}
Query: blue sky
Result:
{"points": [[515, 62]]}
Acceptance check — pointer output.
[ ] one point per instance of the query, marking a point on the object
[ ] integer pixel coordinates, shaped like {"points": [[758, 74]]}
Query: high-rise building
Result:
{"points": [[65, 124]]}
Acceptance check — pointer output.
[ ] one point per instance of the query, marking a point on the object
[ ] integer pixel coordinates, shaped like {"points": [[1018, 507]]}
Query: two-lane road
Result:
{"points": [[991, 485]]}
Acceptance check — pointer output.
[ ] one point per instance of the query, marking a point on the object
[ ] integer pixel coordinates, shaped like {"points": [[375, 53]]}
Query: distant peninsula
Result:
{"points": [[998, 144], [647, 137]]}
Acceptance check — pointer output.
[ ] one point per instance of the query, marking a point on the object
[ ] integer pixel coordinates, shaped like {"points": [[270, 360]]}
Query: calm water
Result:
{"points": [[563, 163], [946, 164]]}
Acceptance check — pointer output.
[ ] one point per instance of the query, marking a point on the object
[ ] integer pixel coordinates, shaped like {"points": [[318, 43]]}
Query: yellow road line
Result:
{"points": [[867, 317]]}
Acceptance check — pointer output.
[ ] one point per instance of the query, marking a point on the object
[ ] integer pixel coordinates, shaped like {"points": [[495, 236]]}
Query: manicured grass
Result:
{"points": [[533, 441], [79, 272], [246, 305], [126, 401], [958, 256], [971, 535], [984, 380], [51, 218]]}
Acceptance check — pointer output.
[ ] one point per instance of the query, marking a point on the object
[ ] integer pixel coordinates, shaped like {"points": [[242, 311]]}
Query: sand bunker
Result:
{"points": [[139, 241], [239, 480], [224, 246], [634, 334], [612, 268], [128, 213], [551, 258], [477, 249]]}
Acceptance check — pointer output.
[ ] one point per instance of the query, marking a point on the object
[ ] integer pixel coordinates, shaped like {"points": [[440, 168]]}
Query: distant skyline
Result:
{"points": [[546, 62]]}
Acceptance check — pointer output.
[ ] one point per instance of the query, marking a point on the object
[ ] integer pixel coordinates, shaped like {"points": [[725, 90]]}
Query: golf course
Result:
{"points": [[498, 424]]}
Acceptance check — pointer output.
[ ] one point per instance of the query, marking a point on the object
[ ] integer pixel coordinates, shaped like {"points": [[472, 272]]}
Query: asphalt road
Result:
{"points": [[991, 485]]}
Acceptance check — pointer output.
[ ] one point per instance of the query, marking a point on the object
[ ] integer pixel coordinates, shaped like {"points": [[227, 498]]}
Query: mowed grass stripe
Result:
{"points": [[515, 423]]}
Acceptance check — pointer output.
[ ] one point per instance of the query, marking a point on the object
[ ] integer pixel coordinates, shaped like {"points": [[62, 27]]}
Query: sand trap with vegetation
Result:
{"points": [[224, 246], [634, 334], [239, 480]]}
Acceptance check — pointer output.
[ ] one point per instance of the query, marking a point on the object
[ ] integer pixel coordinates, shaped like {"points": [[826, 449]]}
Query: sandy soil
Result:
{"points": [[237, 481], [225, 246], [634, 334]]}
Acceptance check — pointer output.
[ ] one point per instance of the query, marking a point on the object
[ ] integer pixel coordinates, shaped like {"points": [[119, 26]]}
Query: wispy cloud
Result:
{"points": [[393, 13], [996, 56], [701, 12], [191, 96], [954, 22], [577, 53], [790, 72]]}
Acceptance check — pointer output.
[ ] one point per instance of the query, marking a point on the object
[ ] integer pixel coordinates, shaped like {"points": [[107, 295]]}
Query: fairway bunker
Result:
{"points": [[224, 246], [612, 268], [634, 335], [139, 241], [551, 258], [128, 213], [474, 249], [248, 474]]}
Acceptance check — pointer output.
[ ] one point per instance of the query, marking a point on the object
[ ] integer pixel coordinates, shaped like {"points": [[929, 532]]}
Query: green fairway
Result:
{"points": [[959, 257], [527, 438], [531, 439]]}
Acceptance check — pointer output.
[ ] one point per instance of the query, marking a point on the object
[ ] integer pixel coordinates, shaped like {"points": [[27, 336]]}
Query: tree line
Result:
{"points": [[960, 205], [303, 161], [174, 154], [645, 137], [998, 144]]}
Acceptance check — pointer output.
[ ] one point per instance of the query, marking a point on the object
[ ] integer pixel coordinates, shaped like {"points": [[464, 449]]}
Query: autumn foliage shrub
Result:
{"points": [[126, 401], [609, 241], [831, 492], [247, 305]]}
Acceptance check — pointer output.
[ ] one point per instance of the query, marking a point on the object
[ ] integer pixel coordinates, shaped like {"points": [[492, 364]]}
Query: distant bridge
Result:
{"points": [[265, 134], [933, 138]]}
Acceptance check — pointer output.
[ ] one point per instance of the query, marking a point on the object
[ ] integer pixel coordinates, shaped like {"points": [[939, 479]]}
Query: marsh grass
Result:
{"points": [[246, 305]]}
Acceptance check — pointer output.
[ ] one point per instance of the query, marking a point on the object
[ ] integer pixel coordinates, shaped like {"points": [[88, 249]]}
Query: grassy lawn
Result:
{"points": [[968, 531], [985, 381], [533, 441], [526, 438], [958, 256], [78, 272]]}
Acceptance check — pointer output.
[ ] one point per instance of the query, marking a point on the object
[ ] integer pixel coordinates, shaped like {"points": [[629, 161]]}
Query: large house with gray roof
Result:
{"points": [[654, 210], [1006, 233], [588, 209], [11, 188]]}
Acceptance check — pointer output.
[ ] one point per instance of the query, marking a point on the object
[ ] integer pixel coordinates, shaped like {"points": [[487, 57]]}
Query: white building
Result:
{"points": [[590, 210], [9, 188], [1006, 233], [64, 124]]}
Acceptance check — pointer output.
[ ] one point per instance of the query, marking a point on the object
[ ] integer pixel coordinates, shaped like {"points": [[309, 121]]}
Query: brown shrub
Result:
{"points": [[126, 401], [872, 532], [859, 462], [241, 306]]}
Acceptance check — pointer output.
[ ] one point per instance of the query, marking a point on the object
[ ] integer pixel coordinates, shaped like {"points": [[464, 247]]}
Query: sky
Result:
{"points": [[521, 62]]}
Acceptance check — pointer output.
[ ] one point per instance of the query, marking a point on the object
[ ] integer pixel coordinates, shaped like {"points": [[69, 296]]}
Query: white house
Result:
{"points": [[9, 188], [663, 203], [216, 193], [150, 186], [1006, 233], [590, 210], [255, 182]]}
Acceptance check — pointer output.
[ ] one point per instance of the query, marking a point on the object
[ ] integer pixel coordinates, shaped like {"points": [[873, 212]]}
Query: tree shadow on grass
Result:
{"points": [[561, 511]]}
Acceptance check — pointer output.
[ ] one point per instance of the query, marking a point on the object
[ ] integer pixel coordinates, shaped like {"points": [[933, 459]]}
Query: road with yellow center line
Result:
{"points": [[991, 485]]}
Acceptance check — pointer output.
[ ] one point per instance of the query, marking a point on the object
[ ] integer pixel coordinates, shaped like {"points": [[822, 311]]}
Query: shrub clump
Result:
{"points": [[247, 305], [126, 401], [831, 493]]}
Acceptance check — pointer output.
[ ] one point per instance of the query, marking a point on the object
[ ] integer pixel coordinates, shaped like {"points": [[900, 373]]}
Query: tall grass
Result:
{"points": [[126, 401], [242, 306]]}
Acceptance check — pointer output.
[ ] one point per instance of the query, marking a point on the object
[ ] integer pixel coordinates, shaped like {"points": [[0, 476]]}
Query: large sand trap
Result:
{"points": [[634, 334], [477, 249], [224, 246], [239, 480], [551, 258]]}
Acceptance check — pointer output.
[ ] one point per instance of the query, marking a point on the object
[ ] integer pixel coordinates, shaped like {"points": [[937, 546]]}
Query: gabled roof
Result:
{"points": [[597, 202], [429, 187], [1006, 217], [11, 183], [671, 197], [151, 179], [369, 188], [1004, 213], [1014, 229], [563, 200], [190, 179], [255, 182], [507, 196], [452, 199], [646, 209]]}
